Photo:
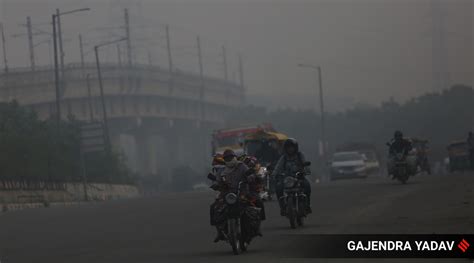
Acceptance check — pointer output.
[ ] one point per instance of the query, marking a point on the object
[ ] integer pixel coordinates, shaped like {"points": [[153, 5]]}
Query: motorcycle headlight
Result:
{"points": [[289, 182], [230, 198]]}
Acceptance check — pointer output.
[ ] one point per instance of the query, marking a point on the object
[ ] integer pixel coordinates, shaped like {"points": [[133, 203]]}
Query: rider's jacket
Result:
{"points": [[290, 165], [232, 176], [400, 146]]}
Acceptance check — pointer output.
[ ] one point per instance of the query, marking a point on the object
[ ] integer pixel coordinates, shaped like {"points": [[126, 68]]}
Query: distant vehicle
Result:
{"points": [[234, 138], [458, 153], [401, 169], [420, 151], [295, 201], [368, 151], [348, 165]]}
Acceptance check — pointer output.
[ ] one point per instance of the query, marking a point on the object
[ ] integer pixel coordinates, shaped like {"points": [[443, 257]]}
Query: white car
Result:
{"points": [[348, 165]]}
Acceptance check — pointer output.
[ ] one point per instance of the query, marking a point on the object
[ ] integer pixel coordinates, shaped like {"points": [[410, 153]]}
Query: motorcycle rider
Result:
{"points": [[233, 173], [268, 153], [291, 162], [397, 145]]}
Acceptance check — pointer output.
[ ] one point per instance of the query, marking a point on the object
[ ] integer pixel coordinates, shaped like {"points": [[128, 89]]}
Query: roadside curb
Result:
{"points": [[20, 206]]}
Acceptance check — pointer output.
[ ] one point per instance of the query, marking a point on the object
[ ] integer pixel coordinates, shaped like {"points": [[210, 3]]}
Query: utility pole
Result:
{"points": [[56, 74], [101, 89], [60, 41], [30, 43], [127, 35], [241, 78], [81, 50], [201, 70], [89, 98], [119, 62], [170, 59], [201, 76], [168, 47], [4, 48], [323, 144], [224, 57], [102, 99]]}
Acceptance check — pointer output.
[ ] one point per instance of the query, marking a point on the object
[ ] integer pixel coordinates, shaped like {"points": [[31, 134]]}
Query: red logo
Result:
{"points": [[463, 245]]}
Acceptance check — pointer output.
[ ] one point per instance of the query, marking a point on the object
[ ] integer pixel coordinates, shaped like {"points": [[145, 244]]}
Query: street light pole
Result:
{"points": [[321, 105], [56, 74], [323, 114], [102, 99], [4, 48], [101, 89], [60, 39], [57, 30], [89, 98]]}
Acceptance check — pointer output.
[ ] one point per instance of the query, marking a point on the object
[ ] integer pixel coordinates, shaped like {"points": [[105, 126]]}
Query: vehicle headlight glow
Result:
{"points": [[230, 198], [289, 182]]}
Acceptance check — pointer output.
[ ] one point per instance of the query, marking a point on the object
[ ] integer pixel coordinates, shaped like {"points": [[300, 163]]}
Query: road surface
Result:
{"points": [[174, 227]]}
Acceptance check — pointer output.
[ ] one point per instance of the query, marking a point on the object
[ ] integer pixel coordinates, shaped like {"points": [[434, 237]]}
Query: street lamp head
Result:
{"points": [[111, 42], [73, 11]]}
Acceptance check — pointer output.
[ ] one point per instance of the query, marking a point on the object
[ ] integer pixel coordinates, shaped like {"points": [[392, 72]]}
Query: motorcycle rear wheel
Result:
{"points": [[291, 212], [300, 221], [234, 237]]}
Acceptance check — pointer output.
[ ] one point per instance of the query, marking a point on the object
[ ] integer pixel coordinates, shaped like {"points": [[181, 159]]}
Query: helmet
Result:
{"points": [[291, 142], [398, 134], [228, 153], [218, 159]]}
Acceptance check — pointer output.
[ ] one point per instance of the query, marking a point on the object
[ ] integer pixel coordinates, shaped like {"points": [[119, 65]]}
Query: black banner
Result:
{"points": [[378, 246]]}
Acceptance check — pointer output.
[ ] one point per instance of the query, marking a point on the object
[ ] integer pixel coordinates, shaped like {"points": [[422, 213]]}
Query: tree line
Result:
{"points": [[440, 117], [34, 155]]}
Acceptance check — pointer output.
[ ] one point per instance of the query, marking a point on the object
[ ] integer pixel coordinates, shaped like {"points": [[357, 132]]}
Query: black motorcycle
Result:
{"points": [[295, 200], [400, 170], [238, 221]]}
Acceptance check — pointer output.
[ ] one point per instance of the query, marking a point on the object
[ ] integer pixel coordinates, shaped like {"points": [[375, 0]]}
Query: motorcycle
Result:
{"points": [[401, 169], [295, 200], [239, 221]]}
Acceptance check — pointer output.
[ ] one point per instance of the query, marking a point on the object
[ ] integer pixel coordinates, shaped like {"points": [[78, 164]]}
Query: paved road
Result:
{"points": [[175, 228]]}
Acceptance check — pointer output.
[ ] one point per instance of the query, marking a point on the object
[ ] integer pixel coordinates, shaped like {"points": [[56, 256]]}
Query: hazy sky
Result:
{"points": [[369, 50]]}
